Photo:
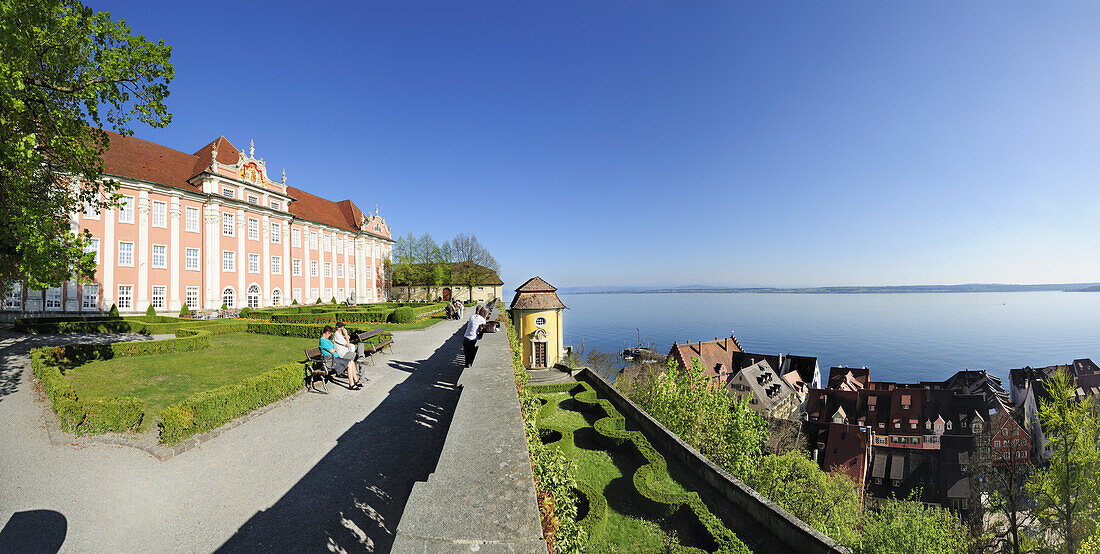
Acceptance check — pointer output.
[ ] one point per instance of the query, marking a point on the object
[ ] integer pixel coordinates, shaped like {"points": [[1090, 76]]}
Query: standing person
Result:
{"points": [[473, 333], [335, 362]]}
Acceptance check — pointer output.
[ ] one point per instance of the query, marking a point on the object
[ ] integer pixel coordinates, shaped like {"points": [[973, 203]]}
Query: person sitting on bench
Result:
{"points": [[342, 340], [336, 362]]}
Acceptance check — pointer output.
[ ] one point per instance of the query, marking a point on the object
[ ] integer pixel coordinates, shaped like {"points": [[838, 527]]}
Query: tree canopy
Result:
{"points": [[422, 262], [66, 72]]}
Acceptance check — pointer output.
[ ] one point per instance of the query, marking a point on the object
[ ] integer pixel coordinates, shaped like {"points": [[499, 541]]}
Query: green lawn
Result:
{"points": [[163, 379], [628, 527]]}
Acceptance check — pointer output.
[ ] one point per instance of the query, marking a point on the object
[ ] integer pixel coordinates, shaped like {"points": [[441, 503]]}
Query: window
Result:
{"points": [[192, 219], [14, 299], [340, 270], [912, 425], [276, 265], [996, 444], [126, 210], [296, 267], [297, 295], [92, 246], [340, 293], [948, 425], [897, 425], [927, 425], [253, 263], [53, 298], [312, 240], [351, 247], [328, 269], [91, 211], [90, 297], [191, 259], [328, 243], [870, 407], [253, 229], [158, 297], [275, 204], [367, 271], [312, 294], [125, 299], [160, 256], [370, 294], [229, 192], [252, 199], [253, 296], [328, 293], [313, 268], [229, 260], [125, 253], [276, 232], [296, 237], [193, 298], [229, 298], [339, 245], [227, 225], [276, 297], [540, 321], [351, 271], [160, 214]]}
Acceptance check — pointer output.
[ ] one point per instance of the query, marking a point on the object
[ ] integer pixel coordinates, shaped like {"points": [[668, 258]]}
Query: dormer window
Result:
{"points": [[948, 425]]}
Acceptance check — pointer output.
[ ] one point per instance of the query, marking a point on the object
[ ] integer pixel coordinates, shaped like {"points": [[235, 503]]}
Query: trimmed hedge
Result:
{"points": [[403, 315], [207, 410], [611, 429], [307, 331], [98, 416]]}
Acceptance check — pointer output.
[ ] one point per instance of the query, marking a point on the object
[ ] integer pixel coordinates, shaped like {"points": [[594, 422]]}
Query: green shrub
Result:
{"points": [[211, 409], [245, 311], [224, 306], [403, 315], [318, 301], [333, 299], [114, 310], [185, 310], [150, 311], [118, 414], [293, 302]]}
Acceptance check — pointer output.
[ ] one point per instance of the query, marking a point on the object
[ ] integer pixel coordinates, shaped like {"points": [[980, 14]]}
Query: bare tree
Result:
{"points": [[473, 264]]}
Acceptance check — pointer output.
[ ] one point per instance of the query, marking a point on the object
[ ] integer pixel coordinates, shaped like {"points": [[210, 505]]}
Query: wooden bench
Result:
{"points": [[370, 349], [315, 367]]}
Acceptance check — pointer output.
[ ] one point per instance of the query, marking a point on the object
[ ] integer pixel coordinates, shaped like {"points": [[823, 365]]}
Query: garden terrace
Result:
{"points": [[209, 374], [629, 501]]}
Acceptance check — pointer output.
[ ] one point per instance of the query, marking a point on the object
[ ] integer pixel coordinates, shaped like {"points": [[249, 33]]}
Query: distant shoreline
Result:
{"points": [[895, 289]]}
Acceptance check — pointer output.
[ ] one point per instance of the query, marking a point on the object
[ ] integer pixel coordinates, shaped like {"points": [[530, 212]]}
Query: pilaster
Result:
{"points": [[265, 260], [141, 295], [213, 268], [174, 250]]}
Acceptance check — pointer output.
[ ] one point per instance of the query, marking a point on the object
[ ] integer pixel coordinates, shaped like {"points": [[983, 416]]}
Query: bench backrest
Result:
{"points": [[312, 353], [369, 334]]}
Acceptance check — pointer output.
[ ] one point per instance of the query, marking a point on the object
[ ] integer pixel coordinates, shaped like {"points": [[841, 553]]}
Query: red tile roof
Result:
{"points": [[712, 354], [227, 154], [147, 161]]}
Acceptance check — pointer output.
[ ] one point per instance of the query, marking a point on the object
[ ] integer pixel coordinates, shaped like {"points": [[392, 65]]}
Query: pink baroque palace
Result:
{"points": [[211, 228]]}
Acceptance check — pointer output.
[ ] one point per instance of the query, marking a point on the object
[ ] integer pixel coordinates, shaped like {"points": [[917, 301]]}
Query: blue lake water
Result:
{"points": [[901, 337]]}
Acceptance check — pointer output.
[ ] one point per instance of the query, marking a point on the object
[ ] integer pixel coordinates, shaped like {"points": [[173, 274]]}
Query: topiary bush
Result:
{"points": [[245, 311], [333, 300], [185, 311], [294, 302], [150, 311], [403, 315], [224, 306], [114, 310]]}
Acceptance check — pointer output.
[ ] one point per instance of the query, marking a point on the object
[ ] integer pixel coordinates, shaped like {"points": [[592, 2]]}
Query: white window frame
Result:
{"points": [[328, 269], [340, 294], [276, 232], [230, 299], [339, 245], [130, 250], [126, 210], [253, 199], [229, 224], [296, 267], [367, 271], [229, 192], [192, 298], [253, 229], [339, 271], [14, 298], [91, 211], [253, 263], [163, 262], [276, 265], [159, 214], [92, 288], [327, 239], [53, 299], [275, 204], [328, 294], [313, 268], [93, 246], [351, 271], [296, 295], [313, 240], [254, 301], [159, 302], [314, 295], [188, 259], [296, 238], [276, 297], [192, 219], [229, 260], [125, 301]]}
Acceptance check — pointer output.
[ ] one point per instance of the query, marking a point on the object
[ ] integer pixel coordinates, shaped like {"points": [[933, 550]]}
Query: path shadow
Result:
{"points": [[34, 531], [16, 348], [353, 498]]}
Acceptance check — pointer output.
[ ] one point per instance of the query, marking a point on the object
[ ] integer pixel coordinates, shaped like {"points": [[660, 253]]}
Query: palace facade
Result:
{"points": [[212, 228]]}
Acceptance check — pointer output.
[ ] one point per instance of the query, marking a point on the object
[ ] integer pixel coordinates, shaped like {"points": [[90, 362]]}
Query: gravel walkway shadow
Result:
{"points": [[353, 498]]}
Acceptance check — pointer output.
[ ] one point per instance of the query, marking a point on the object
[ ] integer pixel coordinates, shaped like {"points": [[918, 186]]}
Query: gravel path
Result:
{"points": [[321, 472]]}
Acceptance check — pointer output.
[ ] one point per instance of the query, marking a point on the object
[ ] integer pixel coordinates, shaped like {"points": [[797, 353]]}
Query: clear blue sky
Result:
{"points": [[662, 143]]}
